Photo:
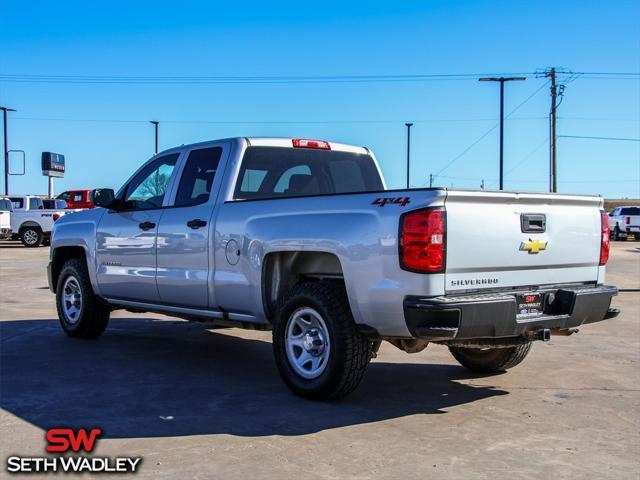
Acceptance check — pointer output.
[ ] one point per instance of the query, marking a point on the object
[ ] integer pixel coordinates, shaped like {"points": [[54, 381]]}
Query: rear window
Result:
{"points": [[17, 202], [275, 172], [630, 211], [5, 205]]}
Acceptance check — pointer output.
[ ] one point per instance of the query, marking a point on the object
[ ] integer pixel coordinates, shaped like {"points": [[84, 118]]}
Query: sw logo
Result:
{"points": [[65, 439], [533, 246]]}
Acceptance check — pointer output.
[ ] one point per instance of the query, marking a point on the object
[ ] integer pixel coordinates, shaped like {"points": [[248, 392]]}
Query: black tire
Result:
{"points": [[93, 315], [31, 237], [489, 360], [349, 352]]}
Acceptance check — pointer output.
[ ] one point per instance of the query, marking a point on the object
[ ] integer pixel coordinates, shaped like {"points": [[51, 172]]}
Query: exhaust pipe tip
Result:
{"points": [[544, 335]]}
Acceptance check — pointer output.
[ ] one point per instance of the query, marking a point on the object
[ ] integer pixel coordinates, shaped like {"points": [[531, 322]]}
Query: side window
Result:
{"points": [[77, 197], [64, 196], [197, 177], [148, 187], [283, 185], [35, 204]]}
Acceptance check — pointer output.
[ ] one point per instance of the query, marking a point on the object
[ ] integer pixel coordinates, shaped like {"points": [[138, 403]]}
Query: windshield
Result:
{"points": [[273, 172]]}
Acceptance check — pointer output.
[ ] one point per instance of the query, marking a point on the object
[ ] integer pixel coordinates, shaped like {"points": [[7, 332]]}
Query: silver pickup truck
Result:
{"points": [[301, 237]]}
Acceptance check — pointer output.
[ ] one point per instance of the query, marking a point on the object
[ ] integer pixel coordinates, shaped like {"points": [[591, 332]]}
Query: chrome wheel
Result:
{"points": [[71, 300], [307, 343], [30, 237]]}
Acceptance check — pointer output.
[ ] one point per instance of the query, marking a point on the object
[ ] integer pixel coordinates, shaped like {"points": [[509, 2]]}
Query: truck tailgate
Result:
{"points": [[507, 240]]}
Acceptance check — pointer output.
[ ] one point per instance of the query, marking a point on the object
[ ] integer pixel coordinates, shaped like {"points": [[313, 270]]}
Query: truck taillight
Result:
{"points": [[628, 220], [56, 216], [605, 237], [423, 240], [305, 143]]}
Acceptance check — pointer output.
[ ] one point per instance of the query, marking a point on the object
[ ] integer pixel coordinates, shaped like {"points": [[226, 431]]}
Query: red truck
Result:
{"points": [[77, 198]]}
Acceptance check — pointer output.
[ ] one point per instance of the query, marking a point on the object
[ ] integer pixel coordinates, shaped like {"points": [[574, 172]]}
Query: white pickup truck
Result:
{"points": [[30, 221], [301, 237], [5, 218], [624, 221]]}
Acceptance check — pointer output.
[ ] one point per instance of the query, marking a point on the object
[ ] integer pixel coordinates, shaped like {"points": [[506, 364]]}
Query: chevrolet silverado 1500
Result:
{"points": [[301, 237]]}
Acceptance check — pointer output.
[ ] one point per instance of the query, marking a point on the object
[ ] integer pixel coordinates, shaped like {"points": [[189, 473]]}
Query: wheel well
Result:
{"points": [[60, 256], [29, 224], [283, 270]]}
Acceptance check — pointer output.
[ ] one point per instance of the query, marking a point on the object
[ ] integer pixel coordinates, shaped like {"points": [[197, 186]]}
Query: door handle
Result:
{"points": [[196, 223], [147, 225]]}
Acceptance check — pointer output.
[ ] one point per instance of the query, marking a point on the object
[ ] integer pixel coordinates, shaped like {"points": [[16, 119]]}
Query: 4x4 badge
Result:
{"points": [[533, 246]]}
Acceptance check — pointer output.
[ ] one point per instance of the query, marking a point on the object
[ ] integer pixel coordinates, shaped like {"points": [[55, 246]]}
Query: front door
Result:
{"points": [[184, 259], [126, 239]]}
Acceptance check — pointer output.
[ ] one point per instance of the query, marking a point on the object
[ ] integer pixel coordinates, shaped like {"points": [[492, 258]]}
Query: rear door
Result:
{"points": [[507, 240], [183, 255], [126, 240]]}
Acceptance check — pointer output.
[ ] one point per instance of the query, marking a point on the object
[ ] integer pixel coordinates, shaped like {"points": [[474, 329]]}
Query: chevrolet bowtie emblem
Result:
{"points": [[533, 246]]}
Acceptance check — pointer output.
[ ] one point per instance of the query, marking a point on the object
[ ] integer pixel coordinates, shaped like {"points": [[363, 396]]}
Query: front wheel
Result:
{"points": [[80, 312], [490, 360], [318, 350], [31, 236]]}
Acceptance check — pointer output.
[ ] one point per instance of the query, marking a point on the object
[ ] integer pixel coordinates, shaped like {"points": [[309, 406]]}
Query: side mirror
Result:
{"points": [[104, 197]]}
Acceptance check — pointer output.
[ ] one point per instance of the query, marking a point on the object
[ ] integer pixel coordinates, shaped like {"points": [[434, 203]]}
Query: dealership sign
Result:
{"points": [[52, 164], [68, 441]]}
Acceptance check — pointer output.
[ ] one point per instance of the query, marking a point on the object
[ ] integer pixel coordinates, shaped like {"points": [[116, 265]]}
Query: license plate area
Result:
{"points": [[529, 304]]}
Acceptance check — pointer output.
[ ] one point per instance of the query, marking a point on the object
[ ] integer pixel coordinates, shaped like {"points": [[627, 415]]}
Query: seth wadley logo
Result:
{"points": [[67, 440]]}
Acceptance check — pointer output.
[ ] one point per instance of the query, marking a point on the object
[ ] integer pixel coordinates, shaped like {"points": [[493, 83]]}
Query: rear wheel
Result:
{"points": [[488, 360], [81, 313], [31, 236], [318, 350]]}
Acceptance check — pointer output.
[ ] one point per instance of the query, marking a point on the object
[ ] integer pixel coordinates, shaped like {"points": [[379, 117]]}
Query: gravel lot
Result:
{"points": [[210, 404]]}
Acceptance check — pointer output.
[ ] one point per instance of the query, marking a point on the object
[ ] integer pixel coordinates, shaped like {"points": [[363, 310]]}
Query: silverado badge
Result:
{"points": [[533, 246]]}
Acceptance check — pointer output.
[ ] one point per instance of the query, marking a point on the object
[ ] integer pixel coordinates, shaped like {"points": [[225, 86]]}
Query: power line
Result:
{"points": [[529, 155], [484, 135], [272, 122], [237, 79], [618, 139], [287, 79]]}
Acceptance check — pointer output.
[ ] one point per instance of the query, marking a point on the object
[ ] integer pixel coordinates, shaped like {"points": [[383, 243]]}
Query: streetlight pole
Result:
{"points": [[408, 125], [501, 80], [6, 149], [155, 123]]}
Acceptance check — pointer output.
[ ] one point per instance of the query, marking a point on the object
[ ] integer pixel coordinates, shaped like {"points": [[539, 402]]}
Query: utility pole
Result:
{"points": [[408, 125], [501, 80], [552, 131], [6, 149], [430, 180], [482, 184], [155, 123]]}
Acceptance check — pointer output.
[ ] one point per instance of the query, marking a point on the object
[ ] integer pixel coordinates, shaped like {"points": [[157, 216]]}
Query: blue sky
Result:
{"points": [[102, 129]]}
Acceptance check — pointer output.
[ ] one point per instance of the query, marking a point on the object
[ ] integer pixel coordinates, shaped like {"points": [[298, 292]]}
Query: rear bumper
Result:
{"points": [[495, 315], [5, 233]]}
